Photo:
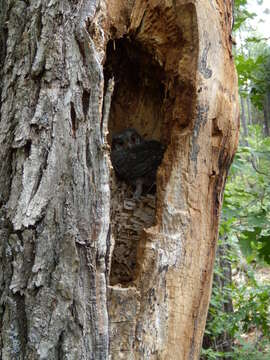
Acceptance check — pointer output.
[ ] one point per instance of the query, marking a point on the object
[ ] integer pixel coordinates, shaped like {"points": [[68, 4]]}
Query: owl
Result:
{"points": [[136, 160]]}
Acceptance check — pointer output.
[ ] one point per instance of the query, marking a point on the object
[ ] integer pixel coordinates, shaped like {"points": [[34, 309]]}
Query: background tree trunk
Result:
{"points": [[244, 119], [249, 111], [86, 271], [266, 114], [224, 342]]}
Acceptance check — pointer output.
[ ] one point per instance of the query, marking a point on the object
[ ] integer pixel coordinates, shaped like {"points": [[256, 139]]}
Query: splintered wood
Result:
{"points": [[129, 218]]}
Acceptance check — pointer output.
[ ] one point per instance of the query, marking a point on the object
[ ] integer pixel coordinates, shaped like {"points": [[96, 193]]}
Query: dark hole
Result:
{"points": [[85, 102], [27, 148], [73, 119], [137, 103]]}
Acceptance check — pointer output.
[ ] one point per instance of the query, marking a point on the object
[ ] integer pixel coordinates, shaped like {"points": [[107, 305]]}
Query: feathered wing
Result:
{"points": [[140, 161]]}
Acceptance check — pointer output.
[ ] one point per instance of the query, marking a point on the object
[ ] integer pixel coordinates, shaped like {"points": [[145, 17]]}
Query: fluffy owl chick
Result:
{"points": [[126, 140], [136, 160]]}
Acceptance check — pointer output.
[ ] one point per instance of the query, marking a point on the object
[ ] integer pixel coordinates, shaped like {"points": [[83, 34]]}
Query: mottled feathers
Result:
{"points": [[136, 160]]}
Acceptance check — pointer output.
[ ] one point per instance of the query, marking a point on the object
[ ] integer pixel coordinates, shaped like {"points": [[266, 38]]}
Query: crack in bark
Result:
{"points": [[80, 47], [3, 44], [85, 102], [22, 322], [106, 110], [27, 148], [74, 121]]}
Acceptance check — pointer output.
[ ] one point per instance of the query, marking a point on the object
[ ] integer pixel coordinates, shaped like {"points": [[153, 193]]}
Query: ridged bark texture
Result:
{"points": [[63, 293]]}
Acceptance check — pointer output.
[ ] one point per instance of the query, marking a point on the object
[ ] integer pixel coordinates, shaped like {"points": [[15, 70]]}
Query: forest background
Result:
{"points": [[238, 325]]}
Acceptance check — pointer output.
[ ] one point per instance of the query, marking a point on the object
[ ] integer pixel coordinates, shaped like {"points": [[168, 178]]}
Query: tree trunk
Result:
{"points": [[244, 119], [86, 271], [249, 111], [266, 114], [223, 342], [265, 120]]}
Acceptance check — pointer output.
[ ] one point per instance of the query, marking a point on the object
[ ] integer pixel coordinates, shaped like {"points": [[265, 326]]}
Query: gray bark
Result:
{"points": [[87, 272], [54, 185]]}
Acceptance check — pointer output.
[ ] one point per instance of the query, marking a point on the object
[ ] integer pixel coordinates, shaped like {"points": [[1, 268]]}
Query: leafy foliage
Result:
{"points": [[252, 57], [242, 331], [248, 324], [241, 14], [253, 68], [251, 76], [245, 225], [246, 207]]}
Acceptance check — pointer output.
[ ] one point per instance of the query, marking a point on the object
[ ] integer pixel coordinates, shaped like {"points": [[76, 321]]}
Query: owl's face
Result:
{"points": [[126, 140]]}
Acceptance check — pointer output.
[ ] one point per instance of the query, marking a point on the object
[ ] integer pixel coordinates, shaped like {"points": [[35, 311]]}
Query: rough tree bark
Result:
{"points": [[75, 281]]}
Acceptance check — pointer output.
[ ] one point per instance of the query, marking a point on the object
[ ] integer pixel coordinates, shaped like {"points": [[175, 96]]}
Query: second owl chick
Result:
{"points": [[136, 160]]}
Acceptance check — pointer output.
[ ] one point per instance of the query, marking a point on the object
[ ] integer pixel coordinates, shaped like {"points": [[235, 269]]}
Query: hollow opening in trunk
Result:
{"points": [[137, 103]]}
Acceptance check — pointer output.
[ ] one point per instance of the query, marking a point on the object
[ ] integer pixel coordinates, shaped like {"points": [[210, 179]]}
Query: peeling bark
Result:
{"points": [[63, 293]]}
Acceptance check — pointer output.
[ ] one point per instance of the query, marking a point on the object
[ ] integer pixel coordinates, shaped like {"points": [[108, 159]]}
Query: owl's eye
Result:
{"points": [[117, 143]]}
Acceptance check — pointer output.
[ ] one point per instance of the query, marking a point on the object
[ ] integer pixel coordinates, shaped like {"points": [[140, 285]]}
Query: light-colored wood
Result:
{"points": [[200, 120]]}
